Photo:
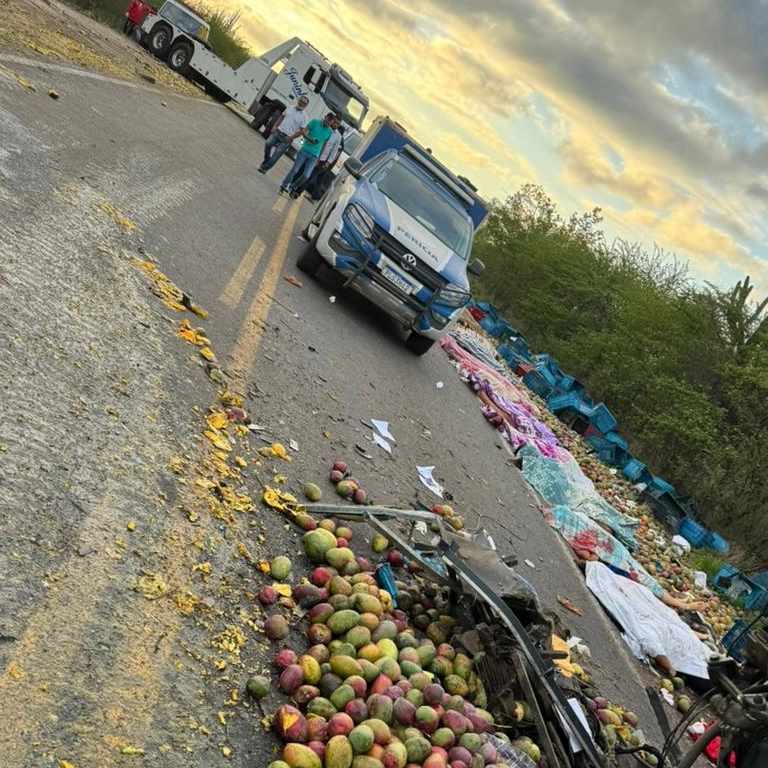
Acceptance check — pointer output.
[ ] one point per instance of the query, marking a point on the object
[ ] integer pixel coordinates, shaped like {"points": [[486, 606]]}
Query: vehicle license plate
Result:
{"points": [[398, 280]]}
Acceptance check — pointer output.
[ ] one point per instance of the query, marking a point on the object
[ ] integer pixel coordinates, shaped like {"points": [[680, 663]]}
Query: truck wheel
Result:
{"points": [[310, 260], [179, 57], [264, 115], [418, 344], [160, 40]]}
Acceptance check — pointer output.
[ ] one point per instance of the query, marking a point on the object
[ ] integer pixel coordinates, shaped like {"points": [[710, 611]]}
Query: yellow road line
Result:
{"points": [[252, 330], [233, 291]]}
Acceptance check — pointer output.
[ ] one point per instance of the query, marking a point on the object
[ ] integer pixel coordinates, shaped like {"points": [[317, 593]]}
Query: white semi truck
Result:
{"points": [[264, 86]]}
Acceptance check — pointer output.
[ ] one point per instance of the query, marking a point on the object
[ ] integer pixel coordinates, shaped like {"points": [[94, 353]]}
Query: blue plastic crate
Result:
{"points": [[735, 639], [560, 402], [596, 440], [756, 599], [616, 439], [546, 374], [607, 454], [635, 471], [721, 580], [717, 543], [692, 532], [602, 418], [536, 383], [570, 384], [662, 485]]}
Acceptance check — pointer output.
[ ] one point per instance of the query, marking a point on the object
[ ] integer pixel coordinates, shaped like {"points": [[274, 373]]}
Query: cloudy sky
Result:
{"points": [[655, 111]]}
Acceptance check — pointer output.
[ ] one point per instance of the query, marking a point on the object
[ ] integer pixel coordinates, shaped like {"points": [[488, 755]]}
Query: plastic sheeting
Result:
{"points": [[562, 482], [650, 627]]}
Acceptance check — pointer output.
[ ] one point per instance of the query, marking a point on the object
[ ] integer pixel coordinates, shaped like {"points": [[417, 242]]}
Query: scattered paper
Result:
{"points": [[293, 445], [332, 299], [381, 442], [439, 385], [530, 564], [581, 717], [425, 475], [382, 427]]}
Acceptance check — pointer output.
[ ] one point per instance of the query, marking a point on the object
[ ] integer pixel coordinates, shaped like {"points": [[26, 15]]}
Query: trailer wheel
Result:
{"points": [[179, 57], [160, 40], [418, 344]]}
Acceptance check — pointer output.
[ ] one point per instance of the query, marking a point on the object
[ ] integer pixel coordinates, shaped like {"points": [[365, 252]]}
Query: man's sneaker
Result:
{"points": [[262, 170]]}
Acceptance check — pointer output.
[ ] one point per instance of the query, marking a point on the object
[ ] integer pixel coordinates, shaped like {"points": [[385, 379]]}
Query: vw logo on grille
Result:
{"points": [[407, 261]]}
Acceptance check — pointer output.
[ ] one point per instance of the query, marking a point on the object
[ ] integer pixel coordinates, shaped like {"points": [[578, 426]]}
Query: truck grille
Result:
{"points": [[395, 250]]}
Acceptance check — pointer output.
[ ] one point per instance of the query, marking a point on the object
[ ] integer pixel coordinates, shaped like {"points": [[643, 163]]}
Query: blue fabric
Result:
{"points": [[559, 482], [300, 171]]}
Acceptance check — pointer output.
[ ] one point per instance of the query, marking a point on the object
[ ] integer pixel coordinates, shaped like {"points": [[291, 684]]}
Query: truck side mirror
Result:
{"points": [[354, 167], [476, 267]]}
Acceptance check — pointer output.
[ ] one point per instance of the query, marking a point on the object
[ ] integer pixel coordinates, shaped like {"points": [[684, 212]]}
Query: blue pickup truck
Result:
{"points": [[399, 226]]}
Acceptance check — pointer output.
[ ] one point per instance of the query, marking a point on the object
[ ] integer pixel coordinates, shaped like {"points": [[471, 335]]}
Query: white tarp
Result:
{"points": [[651, 628]]}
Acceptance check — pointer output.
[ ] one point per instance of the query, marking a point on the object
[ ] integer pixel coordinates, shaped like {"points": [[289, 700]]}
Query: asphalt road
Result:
{"points": [[102, 403]]}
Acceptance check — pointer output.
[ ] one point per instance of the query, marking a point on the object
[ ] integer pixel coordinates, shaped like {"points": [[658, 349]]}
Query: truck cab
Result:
{"points": [[399, 226], [172, 22], [299, 69]]}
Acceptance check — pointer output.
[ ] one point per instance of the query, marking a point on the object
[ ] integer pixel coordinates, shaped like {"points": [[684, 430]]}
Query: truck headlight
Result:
{"points": [[361, 220], [453, 295]]}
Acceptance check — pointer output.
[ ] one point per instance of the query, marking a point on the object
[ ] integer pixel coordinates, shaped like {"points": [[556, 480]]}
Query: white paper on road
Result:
{"points": [[381, 442], [651, 628], [425, 475], [382, 427]]}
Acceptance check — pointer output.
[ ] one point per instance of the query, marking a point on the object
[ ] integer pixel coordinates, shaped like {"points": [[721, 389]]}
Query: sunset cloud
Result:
{"points": [[656, 111]]}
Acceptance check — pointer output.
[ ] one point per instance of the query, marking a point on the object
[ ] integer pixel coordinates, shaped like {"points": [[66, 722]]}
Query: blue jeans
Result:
{"points": [[300, 170], [274, 148]]}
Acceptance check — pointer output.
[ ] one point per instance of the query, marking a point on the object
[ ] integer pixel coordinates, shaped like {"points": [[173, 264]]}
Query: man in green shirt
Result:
{"points": [[316, 133]]}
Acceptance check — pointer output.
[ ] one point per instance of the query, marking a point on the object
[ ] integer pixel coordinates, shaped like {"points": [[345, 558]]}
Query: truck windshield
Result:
{"points": [[417, 195], [183, 19], [344, 103], [351, 140]]}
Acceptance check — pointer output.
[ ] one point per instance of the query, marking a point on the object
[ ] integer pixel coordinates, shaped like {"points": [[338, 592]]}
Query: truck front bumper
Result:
{"points": [[366, 266]]}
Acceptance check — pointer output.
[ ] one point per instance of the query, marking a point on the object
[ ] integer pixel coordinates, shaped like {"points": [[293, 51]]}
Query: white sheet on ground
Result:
{"points": [[651, 628]]}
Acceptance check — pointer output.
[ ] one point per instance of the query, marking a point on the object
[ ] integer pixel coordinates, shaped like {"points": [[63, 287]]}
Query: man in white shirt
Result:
{"points": [[289, 127]]}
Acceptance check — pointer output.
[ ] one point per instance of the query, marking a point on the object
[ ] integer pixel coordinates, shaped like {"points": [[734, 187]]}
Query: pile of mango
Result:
{"points": [[380, 684]]}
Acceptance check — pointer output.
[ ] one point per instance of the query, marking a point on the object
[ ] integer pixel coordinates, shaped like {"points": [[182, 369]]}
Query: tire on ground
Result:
{"points": [[310, 260], [418, 344]]}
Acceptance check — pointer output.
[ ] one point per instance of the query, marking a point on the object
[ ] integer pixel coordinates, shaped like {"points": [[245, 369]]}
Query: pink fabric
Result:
{"points": [[503, 386]]}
